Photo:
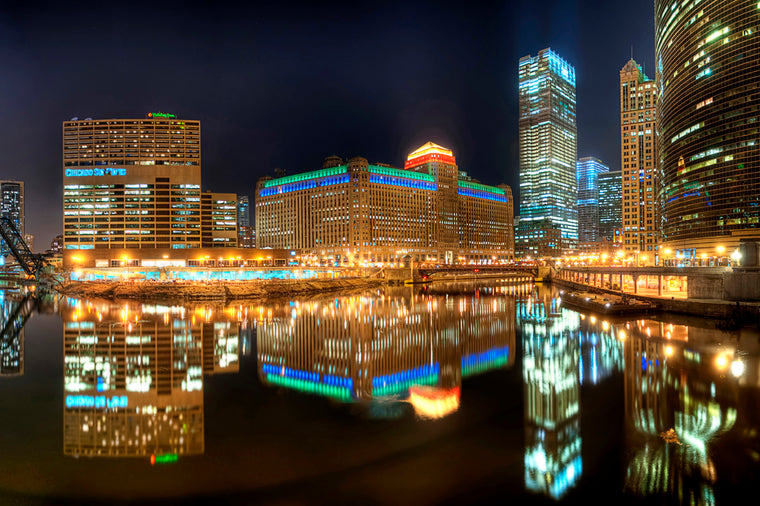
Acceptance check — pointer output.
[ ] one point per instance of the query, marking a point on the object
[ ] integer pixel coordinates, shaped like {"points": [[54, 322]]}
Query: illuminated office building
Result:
{"points": [[218, 220], [707, 72], [610, 204], [355, 348], [589, 169], [547, 138], [132, 183], [356, 212], [133, 377], [12, 208], [638, 150]]}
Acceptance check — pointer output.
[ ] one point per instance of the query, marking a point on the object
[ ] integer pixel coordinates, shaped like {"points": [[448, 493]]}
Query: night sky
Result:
{"points": [[285, 84]]}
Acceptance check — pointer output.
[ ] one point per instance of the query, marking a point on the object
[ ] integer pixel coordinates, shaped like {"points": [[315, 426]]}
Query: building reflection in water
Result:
{"points": [[400, 345], [551, 387], [133, 377], [681, 392], [15, 310]]}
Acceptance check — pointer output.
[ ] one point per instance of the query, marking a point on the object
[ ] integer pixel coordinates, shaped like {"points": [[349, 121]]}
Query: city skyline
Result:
{"points": [[264, 80]]}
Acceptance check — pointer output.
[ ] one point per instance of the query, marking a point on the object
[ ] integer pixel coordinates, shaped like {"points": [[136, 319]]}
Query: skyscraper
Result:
{"points": [[638, 161], [132, 183], [589, 169], [708, 58], [243, 211], [610, 204], [12, 207], [244, 230], [548, 137]]}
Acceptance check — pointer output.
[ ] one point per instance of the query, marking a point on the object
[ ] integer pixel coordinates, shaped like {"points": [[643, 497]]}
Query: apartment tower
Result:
{"points": [[708, 76]]}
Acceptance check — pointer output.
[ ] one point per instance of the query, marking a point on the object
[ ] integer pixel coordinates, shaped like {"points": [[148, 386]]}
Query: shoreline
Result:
{"points": [[213, 292]]}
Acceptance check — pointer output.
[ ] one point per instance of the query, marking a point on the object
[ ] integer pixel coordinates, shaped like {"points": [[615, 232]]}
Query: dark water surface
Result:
{"points": [[439, 395]]}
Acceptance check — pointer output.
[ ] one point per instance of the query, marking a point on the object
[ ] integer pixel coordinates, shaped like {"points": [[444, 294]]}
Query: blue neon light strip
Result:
{"points": [[400, 381], [480, 362], [467, 192], [327, 379], [399, 181], [305, 185]]}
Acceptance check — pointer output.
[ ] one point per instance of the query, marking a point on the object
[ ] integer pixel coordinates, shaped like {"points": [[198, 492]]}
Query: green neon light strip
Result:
{"points": [[168, 458], [397, 388], [162, 115], [481, 187], [340, 393], [332, 171], [387, 171], [481, 368]]}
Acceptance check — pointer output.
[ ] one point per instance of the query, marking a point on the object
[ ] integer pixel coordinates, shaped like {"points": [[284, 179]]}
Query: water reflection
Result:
{"points": [[391, 346], [133, 384], [680, 398], [551, 393], [133, 377], [15, 310]]}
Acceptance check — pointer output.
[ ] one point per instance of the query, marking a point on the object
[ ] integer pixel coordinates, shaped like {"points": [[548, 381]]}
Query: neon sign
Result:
{"points": [[109, 171], [97, 402], [161, 115]]}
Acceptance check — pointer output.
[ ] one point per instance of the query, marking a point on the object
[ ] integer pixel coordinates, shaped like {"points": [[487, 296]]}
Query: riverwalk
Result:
{"points": [[731, 311]]}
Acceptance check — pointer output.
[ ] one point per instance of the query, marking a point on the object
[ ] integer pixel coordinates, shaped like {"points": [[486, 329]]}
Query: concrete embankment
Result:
{"points": [[740, 312], [226, 291]]}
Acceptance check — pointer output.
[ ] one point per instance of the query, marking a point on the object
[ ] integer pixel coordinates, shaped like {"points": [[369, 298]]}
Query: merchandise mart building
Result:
{"points": [[360, 214]]}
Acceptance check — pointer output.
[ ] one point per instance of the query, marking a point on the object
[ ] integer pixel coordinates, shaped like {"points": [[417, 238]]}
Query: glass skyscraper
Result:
{"points": [[610, 204], [708, 65], [548, 136], [589, 169]]}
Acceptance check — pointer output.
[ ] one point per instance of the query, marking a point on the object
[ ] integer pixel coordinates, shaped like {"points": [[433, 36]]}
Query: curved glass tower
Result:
{"points": [[708, 65]]}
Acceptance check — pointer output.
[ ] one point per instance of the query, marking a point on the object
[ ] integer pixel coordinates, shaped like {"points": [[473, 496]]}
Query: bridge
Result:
{"points": [[32, 263], [427, 272]]}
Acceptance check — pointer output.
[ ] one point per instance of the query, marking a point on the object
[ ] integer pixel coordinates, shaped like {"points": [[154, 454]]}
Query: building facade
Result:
{"points": [[588, 170], [548, 139], [132, 183], [12, 208], [358, 213], [707, 71], [638, 155], [610, 205], [219, 220]]}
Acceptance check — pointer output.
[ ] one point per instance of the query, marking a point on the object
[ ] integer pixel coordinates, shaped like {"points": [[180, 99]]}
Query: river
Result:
{"points": [[447, 393]]}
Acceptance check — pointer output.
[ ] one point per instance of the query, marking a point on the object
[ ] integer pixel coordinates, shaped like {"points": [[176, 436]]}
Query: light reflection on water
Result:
{"points": [[133, 375]]}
